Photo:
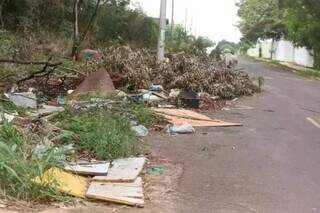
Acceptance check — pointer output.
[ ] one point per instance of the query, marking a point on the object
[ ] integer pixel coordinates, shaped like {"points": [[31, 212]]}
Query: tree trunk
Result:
{"points": [[76, 38], [316, 58]]}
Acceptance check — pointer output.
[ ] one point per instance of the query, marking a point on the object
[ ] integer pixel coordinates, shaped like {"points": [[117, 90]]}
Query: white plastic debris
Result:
{"points": [[140, 130], [174, 93], [182, 129], [24, 99], [150, 97], [7, 117], [156, 88]]}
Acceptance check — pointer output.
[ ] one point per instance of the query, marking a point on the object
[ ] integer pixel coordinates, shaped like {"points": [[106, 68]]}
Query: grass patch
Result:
{"points": [[309, 73], [143, 115], [19, 166], [104, 134]]}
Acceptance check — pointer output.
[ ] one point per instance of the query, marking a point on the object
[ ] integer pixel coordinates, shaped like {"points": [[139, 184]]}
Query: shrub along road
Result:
{"points": [[271, 164]]}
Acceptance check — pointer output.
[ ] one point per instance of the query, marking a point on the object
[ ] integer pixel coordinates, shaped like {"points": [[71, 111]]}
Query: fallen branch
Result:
{"points": [[73, 70], [11, 61], [43, 72]]}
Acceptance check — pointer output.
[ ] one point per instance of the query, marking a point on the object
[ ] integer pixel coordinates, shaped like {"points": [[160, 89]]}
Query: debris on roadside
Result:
{"points": [[23, 99], [123, 170], [98, 82], [93, 169], [66, 182], [194, 72], [140, 130], [129, 193], [181, 129], [6, 117], [182, 116]]}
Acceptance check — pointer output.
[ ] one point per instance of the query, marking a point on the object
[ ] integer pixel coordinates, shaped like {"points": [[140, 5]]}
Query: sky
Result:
{"points": [[215, 19]]}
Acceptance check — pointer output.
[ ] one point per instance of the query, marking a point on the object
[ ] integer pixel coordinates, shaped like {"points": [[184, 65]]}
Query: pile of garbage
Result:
{"points": [[196, 72]]}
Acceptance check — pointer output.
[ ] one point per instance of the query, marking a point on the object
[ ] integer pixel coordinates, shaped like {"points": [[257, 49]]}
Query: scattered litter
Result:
{"points": [[98, 169], [65, 182], [124, 193], [150, 97], [182, 129], [141, 131], [167, 106], [70, 91], [121, 94], [156, 170], [156, 88], [48, 109], [123, 170], [25, 99], [174, 93], [60, 152], [4, 116], [182, 116]]}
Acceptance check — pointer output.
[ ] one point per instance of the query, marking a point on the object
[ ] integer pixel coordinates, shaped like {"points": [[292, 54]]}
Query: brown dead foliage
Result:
{"points": [[197, 72]]}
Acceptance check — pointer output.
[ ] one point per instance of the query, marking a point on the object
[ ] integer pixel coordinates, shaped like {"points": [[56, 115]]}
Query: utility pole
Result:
{"points": [[172, 18], [161, 41]]}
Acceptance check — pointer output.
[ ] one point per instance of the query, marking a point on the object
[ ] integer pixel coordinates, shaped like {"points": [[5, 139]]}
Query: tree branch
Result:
{"points": [[11, 61]]}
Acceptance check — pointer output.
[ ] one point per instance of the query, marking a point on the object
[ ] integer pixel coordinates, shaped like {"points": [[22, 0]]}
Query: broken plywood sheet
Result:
{"points": [[65, 182], [123, 193], [182, 116], [99, 169], [123, 170]]}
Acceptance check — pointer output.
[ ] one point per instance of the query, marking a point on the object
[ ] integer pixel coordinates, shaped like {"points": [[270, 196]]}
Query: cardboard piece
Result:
{"points": [[89, 168], [66, 182], [181, 116], [123, 193], [123, 170]]}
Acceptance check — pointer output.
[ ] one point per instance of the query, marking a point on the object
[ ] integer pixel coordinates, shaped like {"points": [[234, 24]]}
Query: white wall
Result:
{"points": [[304, 57], [284, 51]]}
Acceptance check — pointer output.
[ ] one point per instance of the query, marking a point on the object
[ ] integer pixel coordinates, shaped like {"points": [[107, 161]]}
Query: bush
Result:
{"points": [[19, 166], [103, 134]]}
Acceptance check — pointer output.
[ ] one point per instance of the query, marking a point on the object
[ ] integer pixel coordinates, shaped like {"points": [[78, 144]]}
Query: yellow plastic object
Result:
{"points": [[66, 182]]}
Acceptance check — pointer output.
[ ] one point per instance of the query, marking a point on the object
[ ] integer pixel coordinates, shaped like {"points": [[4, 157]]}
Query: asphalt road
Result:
{"points": [[271, 164]]}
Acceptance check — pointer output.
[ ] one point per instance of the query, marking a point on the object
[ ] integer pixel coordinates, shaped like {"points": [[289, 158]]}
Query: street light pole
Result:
{"points": [[161, 41], [172, 18]]}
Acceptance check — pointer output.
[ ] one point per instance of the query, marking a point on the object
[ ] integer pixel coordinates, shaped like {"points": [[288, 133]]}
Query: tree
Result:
{"points": [[261, 20], [302, 18]]}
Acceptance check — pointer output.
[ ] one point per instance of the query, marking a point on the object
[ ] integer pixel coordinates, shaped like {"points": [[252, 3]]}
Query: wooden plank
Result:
{"points": [[181, 116], [123, 193], [123, 170], [98, 169], [65, 182]]}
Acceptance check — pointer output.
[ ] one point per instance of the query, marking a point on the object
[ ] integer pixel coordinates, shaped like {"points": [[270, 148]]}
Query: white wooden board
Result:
{"points": [[123, 170], [123, 193], [89, 169]]}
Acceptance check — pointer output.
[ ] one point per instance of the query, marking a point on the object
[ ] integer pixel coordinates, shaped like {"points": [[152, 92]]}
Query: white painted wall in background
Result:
{"points": [[284, 51]]}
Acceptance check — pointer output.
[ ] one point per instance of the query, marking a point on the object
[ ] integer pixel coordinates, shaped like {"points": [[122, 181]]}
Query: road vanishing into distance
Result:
{"points": [[271, 164]]}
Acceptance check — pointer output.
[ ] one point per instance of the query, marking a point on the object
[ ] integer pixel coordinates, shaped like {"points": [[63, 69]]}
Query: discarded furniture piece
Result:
{"points": [[123, 193], [98, 82], [98, 169], [182, 116], [65, 182], [123, 170], [189, 99]]}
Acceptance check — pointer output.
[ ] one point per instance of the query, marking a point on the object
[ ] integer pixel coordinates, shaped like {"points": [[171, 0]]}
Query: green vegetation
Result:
{"points": [[105, 135], [143, 115], [296, 20], [19, 165]]}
